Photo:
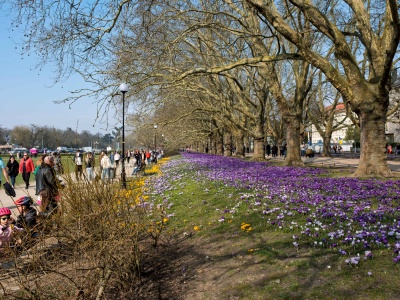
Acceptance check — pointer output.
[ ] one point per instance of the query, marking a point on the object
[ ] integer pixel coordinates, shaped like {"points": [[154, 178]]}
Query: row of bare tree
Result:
{"points": [[29, 136], [222, 68]]}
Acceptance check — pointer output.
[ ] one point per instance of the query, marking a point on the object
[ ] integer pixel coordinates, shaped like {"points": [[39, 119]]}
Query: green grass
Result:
{"points": [[262, 263]]}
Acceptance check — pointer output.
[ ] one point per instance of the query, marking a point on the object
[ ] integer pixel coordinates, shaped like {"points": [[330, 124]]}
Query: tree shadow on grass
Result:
{"points": [[246, 268]]}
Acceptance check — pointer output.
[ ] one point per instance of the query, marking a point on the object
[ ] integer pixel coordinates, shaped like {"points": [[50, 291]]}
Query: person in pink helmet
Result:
{"points": [[7, 229], [28, 214]]}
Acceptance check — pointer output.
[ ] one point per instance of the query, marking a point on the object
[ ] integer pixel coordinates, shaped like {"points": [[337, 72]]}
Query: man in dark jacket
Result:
{"points": [[49, 184]]}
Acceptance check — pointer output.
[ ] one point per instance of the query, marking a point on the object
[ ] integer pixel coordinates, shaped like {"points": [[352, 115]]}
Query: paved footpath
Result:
{"points": [[317, 160], [7, 201], [394, 165]]}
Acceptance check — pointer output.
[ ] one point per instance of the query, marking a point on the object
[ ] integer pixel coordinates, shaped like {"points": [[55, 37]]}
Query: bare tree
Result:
{"points": [[363, 80]]}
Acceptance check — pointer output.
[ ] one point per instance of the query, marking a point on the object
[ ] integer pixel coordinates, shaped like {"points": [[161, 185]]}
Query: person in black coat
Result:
{"points": [[268, 149], [13, 169], [49, 185]]}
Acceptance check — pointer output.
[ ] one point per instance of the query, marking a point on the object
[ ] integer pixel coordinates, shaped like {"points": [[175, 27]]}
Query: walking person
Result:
{"points": [[58, 167], [26, 167], [89, 161], [3, 170], [49, 186], [282, 150], [268, 149], [100, 158], [274, 150], [105, 164], [38, 173], [117, 158], [13, 169], [128, 156], [78, 160]]}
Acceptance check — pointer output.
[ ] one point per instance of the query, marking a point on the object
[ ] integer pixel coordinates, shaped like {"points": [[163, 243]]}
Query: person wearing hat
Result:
{"points": [[27, 214], [4, 170], [6, 227]]}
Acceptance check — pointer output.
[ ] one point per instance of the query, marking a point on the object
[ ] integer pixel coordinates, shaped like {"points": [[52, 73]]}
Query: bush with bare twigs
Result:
{"points": [[93, 247]]}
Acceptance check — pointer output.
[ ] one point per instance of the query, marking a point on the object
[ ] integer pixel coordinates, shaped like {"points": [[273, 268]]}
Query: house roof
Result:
{"points": [[339, 107]]}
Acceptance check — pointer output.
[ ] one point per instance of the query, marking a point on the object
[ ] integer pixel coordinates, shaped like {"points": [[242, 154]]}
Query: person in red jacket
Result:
{"points": [[26, 167]]}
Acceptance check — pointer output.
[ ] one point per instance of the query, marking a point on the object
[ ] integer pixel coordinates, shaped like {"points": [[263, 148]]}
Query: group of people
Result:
{"points": [[143, 158], [273, 150], [23, 224], [337, 149], [47, 176], [110, 161], [393, 150], [47, 188]]}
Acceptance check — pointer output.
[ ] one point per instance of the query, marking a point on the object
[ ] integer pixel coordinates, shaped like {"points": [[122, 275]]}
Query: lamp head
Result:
{"points": [[155, 126], [123, 88]]}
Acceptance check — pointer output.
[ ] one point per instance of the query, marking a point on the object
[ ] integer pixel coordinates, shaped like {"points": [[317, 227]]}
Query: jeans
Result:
{"points": [[90, 174], [12, 180], [105, 173]]}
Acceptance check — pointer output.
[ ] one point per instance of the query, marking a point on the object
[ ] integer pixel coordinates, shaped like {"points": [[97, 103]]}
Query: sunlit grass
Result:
{"points": [[295, 266]]}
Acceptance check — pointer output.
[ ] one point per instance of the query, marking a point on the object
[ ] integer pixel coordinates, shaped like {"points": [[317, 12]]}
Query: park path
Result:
{"points": [[7, 201]]}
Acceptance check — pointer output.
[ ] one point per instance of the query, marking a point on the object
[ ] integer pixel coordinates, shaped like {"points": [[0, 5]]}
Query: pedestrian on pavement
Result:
{"points": [[128, 156], [58, 166], [268, 149], [282, 150], [26, 167], [100, 158], [38, 173], [112, 157], [13, 169], [78, 160], [50, 186], [89, 161], [4, 171], [105, 165], [117, 157], [274, 150]]}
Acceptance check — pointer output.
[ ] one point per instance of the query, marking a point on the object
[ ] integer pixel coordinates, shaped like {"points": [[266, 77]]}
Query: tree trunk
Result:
{"points": [[259, 150], [293, 157], [239, 144], [214, 147], [373, 143], [219, 144], [227, 138], [326, 151]]}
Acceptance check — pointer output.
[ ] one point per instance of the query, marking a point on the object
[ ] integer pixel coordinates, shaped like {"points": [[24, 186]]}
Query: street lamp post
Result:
{"points": [[155, 137], [123, 88]]}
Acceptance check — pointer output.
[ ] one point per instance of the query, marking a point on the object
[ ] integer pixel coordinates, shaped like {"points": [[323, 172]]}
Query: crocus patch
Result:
{"points": [[342, 213]]}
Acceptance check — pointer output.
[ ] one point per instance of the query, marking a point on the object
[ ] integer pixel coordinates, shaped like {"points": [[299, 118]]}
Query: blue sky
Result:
{"points": [[27, 94]]}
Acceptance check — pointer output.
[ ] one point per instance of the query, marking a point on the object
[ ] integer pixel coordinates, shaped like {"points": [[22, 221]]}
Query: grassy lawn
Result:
{"points": [[247, 244]]}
